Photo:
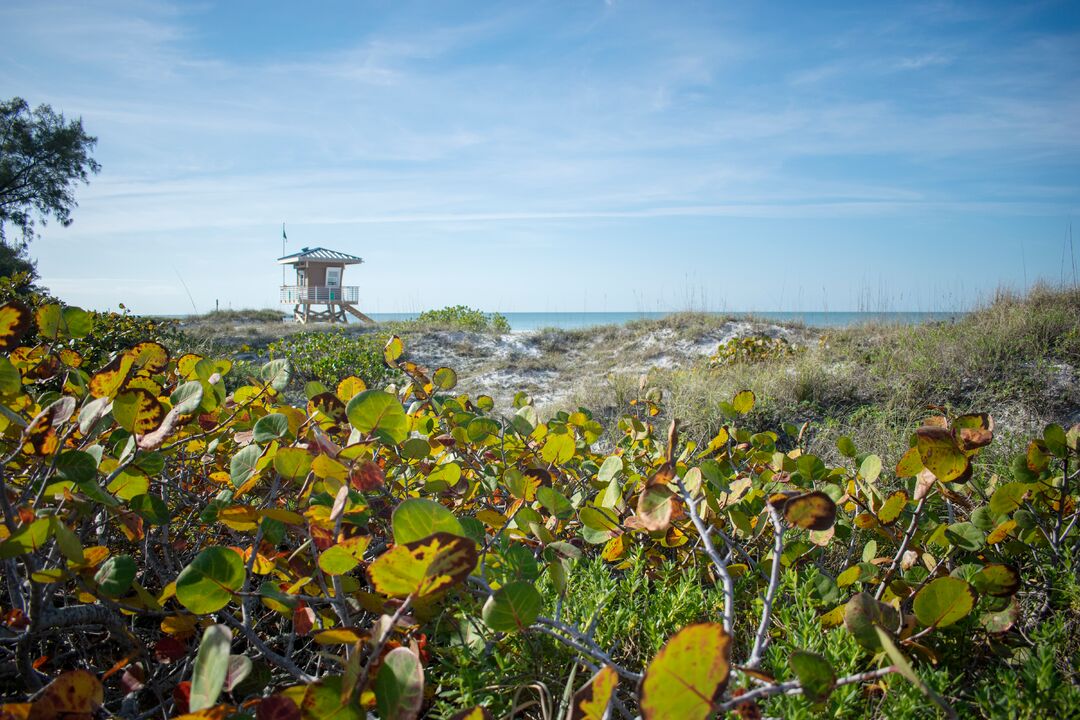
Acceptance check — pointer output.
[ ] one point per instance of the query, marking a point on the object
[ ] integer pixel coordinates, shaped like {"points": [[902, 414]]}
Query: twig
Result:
{"points": [[761, 639], [901, 550]]}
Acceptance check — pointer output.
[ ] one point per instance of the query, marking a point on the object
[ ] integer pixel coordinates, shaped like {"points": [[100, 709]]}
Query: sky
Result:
{"points": [[561, 156]]}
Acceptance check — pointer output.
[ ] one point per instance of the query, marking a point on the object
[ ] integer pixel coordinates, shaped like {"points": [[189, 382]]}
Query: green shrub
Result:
{"points": [[460, 317], [330, 356]]}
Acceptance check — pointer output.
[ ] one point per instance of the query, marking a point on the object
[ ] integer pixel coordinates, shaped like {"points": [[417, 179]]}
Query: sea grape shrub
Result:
{"points": [[330, 356], [170, 545], [752, 349], [461, 317]]}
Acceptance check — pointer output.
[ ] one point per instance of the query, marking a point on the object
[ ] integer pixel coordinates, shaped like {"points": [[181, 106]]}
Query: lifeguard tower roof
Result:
{"points": [[320, 254]]}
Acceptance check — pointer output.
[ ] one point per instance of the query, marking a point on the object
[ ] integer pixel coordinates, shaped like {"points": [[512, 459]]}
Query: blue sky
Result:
{"points": [[552, 156]]}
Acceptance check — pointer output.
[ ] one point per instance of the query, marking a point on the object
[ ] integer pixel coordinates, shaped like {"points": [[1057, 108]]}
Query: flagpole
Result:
{"points": [[283, 239]]}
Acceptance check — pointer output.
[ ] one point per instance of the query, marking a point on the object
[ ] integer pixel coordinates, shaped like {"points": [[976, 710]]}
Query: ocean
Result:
{"points": [[525, 321]]}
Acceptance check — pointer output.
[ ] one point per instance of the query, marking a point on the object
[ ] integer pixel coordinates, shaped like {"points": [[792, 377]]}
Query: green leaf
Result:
{"points": [[940, 454], [399, 686], [26, 539], [815, 675], [965, 536], [481, 428], [1056, 440], [558, 448], [943, 602], [325, 700], [863, 613], [129, 484], [151, 508], [870, 468], [10, 378], [293, 463], [445, 378], [418, 518], [997, 580], [846, 446], [186, 399], [211, 666], [115, 575], [381, 414], [56, 323], [687, 675], [67, 541], [513, 607], [208, 583], [242, 466], [76, 465], [276, 374], [270, 427], [1008, 497], [555, 502], [424, 568], [342, 557]]}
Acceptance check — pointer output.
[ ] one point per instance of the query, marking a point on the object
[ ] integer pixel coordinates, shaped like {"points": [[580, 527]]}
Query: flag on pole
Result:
{"points": [[284, 237]]}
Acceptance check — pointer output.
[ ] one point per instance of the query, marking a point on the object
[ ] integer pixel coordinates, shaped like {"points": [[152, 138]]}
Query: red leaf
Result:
{"points": [[303, 619], [169, 649], [367, 476], [181, 695], [132, 679], [277, 707]]}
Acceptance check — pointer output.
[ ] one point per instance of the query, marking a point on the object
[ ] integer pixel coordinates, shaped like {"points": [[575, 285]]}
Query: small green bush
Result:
{"points": [[328, 357], [461, 317]]}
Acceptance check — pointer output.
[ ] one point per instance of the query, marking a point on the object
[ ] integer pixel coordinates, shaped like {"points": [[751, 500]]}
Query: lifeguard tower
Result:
{"points": [[319, 282]]}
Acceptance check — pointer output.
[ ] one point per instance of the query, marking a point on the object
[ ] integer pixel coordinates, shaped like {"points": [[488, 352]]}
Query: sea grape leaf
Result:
{"points": [[76, 465], [870, 468], [591, 702], [293, 463], [846, 446], [208, 583], [558, 448], [943, 602], [1008, 497], [276, 374], [342, 557], [743, 402], [15, 320], [381, 414], [965, 536], [892, 507], [115, 575], [655, 508], [418, 518], [425, 567], [242, 465], [211, 666], [445, 378], [74, 694], [513, 607], [811, 511], [815, 674], [688, 674], [863, 613], [324, 701], [270, 427], [940, 454], [997, 580], [399, 686]]}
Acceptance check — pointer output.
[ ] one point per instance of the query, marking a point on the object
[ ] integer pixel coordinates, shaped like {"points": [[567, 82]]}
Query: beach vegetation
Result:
{"points": [[176, 542]]}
